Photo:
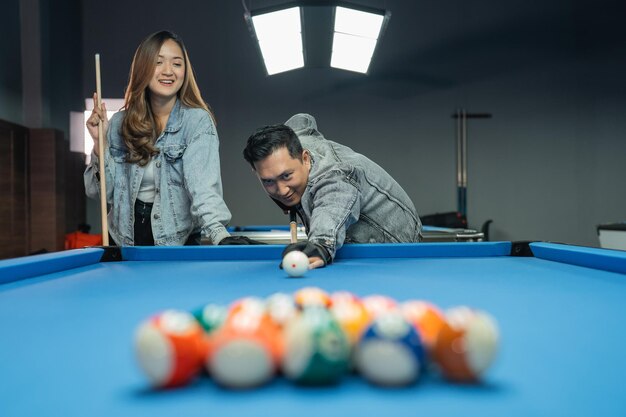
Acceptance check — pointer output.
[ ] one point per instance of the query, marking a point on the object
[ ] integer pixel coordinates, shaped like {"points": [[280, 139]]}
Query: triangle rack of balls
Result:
{"points": [[313, 337]]}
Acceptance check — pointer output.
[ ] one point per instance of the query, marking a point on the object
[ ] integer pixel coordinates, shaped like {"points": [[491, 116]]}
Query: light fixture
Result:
{"points": [[281, 35], [355, 37]]}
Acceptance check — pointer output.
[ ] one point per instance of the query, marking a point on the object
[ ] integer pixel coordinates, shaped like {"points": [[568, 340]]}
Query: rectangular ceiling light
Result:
{"points": [[279, 35], [355, 38]]}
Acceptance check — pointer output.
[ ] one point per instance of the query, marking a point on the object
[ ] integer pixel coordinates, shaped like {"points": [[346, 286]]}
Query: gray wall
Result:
{"points": [[548, 165], [10, 63], [41, 62], [62, 59]]}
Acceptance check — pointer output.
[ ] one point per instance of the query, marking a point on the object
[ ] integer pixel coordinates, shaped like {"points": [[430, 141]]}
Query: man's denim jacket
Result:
{"points": [[187, 178], [348, 197]]}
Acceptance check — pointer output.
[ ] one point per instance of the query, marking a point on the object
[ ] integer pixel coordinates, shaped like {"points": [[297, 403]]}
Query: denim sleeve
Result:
{"points": [[336, 206], [92, 172], [204, 184]]}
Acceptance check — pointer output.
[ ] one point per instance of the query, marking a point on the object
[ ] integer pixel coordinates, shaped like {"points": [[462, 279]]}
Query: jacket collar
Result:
{"points": [[175, 120]]}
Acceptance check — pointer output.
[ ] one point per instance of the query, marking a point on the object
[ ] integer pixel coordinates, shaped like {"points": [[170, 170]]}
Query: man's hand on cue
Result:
{"points": [[316, 262], [317, 254]]}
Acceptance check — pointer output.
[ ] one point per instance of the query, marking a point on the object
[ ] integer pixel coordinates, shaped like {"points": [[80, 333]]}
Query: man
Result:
{"points": [[340, 195]]}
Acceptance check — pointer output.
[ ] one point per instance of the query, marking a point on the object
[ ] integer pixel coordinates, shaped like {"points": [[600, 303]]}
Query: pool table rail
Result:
{"points": [[17, 269]]}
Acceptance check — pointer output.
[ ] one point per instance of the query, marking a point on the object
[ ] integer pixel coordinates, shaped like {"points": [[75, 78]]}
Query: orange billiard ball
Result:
{"points": [[351, 315], [466, 345], [170, 348], [427, 319], [246, 351], [311, 297]]}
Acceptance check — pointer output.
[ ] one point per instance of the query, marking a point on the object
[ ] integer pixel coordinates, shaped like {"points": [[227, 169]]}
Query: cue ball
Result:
{"points": [[295, 263]]}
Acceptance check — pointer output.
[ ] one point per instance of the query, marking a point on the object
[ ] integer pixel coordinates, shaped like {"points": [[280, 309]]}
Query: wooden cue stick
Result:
{"points": [[103, 176], [293, 226]]}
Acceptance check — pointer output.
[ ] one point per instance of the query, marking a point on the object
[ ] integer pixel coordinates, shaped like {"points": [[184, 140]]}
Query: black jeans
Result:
{"points": [[143, 224], [143, 227]]}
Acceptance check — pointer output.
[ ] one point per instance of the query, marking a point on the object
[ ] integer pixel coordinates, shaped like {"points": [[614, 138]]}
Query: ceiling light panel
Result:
{"points": [[358, 23], [354, 40], [279, 35]]}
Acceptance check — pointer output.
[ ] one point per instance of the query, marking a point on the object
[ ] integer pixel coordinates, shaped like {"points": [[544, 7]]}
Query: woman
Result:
{"points": [[161, 157]]}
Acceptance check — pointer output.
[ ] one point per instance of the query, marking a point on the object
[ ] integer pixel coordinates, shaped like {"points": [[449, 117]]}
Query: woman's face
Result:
{"points": [[169, 72]]}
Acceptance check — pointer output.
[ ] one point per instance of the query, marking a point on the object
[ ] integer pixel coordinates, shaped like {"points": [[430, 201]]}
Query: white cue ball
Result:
{"points": [[295, 263]]}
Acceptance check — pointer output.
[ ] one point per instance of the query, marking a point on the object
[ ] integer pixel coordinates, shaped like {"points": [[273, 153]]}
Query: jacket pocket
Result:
{"points": [[119, 155], [173, 155]]}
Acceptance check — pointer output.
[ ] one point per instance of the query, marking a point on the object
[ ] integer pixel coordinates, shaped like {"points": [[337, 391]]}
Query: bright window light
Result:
{"points": [[87, 137], [280, 39], [354, 40], [79, 135]]}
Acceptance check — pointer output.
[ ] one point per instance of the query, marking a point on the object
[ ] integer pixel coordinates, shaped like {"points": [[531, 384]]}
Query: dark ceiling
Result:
{"points": [[428, 45]]}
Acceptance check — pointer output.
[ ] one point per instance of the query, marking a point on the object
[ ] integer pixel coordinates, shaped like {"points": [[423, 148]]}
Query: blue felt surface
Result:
{"points": [[66, 344]]}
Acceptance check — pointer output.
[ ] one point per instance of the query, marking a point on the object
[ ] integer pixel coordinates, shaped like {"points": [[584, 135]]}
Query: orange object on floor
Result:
{"points": [[76, 240]]}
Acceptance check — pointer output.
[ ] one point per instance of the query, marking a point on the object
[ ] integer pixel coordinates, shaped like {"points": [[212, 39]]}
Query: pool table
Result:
{"points": [[67, 322]]}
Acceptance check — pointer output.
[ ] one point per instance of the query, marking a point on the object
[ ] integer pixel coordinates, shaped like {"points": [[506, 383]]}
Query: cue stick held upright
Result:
{"points": [[293, 226], [103, 182]]}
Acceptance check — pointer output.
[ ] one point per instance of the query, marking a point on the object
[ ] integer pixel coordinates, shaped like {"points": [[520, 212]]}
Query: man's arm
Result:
{"points": [[336, 206]]}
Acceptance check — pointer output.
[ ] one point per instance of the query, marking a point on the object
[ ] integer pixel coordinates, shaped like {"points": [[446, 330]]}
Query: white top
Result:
{"points": [[146, 189]]}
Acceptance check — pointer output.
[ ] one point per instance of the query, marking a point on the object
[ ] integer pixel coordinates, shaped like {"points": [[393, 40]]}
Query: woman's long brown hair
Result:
{"points": [[139, 127]]}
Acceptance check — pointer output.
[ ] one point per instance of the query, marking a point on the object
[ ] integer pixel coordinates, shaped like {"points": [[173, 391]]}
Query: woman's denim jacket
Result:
{"points": [[187, 179], [350, 198]]}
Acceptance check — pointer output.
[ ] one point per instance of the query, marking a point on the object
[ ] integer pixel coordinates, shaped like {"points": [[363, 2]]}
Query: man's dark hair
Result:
{"points": [[268, 139]]}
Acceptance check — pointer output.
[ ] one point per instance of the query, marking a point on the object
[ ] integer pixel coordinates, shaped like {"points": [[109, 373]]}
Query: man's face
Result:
{"points": [[283, 177]]}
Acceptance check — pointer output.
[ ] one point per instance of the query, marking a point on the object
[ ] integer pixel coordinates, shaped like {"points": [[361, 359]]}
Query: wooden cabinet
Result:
{"points": [[14, 191], [42, 196], [47, 189], [75, 198]]}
